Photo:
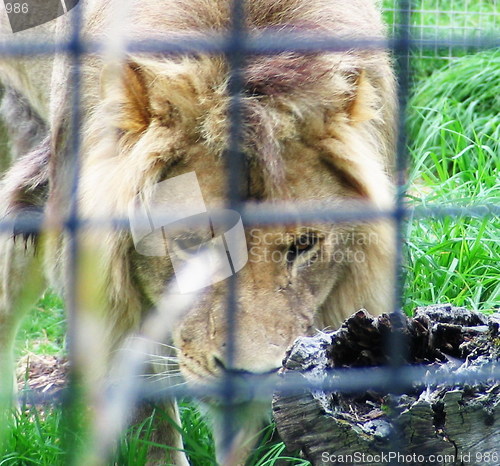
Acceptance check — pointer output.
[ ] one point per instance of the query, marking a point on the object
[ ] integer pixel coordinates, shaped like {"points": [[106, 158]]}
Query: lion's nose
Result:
{"points": [[223, 367], [246, 385]]}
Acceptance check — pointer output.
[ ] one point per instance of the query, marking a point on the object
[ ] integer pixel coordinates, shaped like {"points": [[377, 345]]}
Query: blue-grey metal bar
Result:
{"points": [[72, 152], [270, 214], [349, 380], [236, 56], [396, 340], [266, 43]]}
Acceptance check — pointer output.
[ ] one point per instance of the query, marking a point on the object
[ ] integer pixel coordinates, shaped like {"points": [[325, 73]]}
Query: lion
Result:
{"points": [[318, 129]]}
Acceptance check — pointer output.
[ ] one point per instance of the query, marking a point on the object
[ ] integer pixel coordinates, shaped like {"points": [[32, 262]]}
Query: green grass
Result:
{"points": [[34, 439], [454, 130], [455, 147], [44, 332]]}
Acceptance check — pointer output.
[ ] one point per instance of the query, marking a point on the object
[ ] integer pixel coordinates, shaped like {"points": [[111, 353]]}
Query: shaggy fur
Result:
{"points": [[318, 127], [25, 127]]}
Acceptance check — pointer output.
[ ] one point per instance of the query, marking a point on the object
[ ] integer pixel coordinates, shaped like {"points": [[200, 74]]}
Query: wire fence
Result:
{"points": [[467, 21], [457, 26]]}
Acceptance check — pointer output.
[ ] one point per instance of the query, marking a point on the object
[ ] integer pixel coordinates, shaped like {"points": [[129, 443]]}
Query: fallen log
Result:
{"points": [[431, 423]]}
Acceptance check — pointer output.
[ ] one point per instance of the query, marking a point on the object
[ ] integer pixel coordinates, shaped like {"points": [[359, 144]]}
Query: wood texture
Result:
{"points": [[458, 424]]}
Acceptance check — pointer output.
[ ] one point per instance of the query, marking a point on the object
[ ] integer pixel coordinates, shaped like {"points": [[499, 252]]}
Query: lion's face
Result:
{"points": [[290, 272], [312, 133]]}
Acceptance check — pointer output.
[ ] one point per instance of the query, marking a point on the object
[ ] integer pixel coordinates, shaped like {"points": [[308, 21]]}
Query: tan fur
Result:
{"points": [[318, 128]]}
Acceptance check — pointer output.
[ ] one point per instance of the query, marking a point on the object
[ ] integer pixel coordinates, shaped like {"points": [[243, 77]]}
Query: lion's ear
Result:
{"points": [[358, 166], [125, 92], [355, 152], [361, 106]]}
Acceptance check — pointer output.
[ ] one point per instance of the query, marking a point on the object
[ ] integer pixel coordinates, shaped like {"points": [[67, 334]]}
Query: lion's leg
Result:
{"points": [[21, 283], [166, 423], [236, 437], [170, 435], [165, 431], [21, 192]]}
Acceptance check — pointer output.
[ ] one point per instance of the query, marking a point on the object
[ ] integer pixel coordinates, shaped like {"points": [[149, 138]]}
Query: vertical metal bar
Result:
{"points": [[236, 59], [71, 401], [235, 54], [402, 158], [397, 340]]}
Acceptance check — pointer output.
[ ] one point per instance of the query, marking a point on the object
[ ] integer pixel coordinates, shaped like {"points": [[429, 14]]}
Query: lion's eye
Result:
{"points": [[190, 244], [301, 246]]}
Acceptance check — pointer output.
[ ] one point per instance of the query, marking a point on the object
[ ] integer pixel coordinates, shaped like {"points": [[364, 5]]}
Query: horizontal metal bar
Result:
{"points": [[268, 43], [269, 214], [350, 380]]}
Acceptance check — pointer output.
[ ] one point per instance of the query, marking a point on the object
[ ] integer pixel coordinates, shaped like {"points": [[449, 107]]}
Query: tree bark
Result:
{"points": [[455, 424]]}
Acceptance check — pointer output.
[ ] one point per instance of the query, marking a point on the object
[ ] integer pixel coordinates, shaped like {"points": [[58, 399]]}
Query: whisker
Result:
{"points": [[162, 363], [179, 384], [163, 358], [155, 342], [167, 346], [169, 374], [146, 353]]}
